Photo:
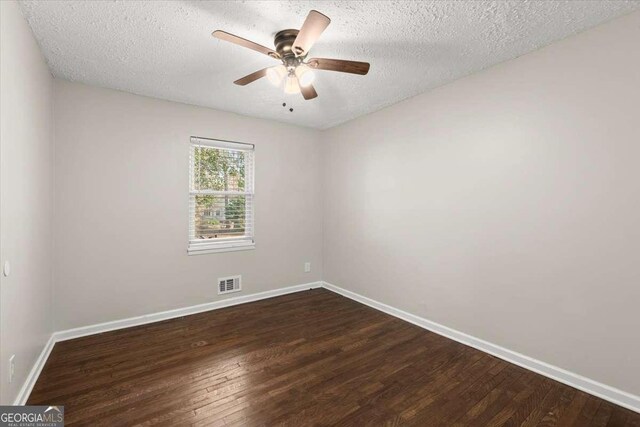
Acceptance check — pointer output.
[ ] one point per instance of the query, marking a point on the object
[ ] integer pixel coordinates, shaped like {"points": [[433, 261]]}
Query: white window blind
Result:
{"points": [[220, 196]]}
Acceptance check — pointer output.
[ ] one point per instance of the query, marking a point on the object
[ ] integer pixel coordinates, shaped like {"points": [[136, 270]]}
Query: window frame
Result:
{"points": [[227, 244]]}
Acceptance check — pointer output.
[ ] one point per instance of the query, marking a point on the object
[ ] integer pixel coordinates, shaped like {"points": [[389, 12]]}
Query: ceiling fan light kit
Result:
{"points": [[276, 74], [291, 86], [304, 74], [292, 47]]}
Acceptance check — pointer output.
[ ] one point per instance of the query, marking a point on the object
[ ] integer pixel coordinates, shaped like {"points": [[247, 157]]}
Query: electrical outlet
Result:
{"points": [[307, 267], [12, 367]]}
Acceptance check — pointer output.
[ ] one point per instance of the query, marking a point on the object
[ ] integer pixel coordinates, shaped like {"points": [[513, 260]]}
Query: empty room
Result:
{"points": [[349, 213]]}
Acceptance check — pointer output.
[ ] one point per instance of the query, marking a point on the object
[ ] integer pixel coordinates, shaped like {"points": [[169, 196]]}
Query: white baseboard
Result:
{"points": [[68, 334], [25, 391], [603, 391], [179, 312], [587, 385]]}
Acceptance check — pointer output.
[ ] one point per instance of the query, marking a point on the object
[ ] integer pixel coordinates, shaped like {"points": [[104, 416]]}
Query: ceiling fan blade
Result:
{"points": [[223, 35], [308, 92], [353, 67], [252, 77], [313, 26]]}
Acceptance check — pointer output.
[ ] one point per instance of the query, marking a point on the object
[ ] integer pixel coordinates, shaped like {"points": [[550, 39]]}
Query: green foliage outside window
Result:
{"points": [[219, 170]]}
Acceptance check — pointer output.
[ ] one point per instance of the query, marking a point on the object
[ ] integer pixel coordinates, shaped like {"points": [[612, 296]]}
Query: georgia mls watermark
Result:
{"points": [[31, 416]]}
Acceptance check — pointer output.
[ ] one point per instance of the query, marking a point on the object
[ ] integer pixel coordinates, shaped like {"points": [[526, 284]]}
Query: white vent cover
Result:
{"points": [[229, 284]]}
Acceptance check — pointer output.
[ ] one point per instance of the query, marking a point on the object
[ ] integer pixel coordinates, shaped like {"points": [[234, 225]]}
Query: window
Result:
{"points": [[220, 196]]}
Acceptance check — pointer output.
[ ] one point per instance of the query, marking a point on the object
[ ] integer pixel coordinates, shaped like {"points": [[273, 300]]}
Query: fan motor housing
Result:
{"points": [[284, 41]]}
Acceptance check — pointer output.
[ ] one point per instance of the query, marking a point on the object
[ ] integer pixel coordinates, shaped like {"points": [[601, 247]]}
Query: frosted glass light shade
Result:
{"points": [[276, 74], [305, 75], [291, 85]]}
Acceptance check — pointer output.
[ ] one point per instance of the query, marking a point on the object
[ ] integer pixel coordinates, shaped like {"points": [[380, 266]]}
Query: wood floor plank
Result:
{"points": [[491, 399], [522, 391], [309, 358], [602, 416], [557, 408], [574, 409], [618, 417], [588, 412]]}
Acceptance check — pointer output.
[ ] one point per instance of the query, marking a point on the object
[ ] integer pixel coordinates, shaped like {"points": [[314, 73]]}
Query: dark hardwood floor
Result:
{"points": [[310, 358]]}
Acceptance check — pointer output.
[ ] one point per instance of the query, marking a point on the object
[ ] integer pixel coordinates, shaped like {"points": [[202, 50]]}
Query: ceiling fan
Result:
{"points": [[292, 47]]}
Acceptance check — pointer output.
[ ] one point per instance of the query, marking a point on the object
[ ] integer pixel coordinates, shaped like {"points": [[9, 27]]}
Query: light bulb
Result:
{"points": [[292, 86], [275, 74], [305, 75]]}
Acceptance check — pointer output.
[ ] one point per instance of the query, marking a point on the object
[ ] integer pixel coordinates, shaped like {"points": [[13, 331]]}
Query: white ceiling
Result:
{"points": [[164, 49]]}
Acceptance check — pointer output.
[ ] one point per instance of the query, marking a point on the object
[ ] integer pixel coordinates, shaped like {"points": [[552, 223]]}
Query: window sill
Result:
{"points": [[218, 247]]}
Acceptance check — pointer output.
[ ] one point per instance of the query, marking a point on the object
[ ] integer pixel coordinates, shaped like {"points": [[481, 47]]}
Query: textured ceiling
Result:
{"points": [[164, 49]]}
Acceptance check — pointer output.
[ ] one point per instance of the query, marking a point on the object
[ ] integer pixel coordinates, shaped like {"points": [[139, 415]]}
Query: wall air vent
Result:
{"points": [[226, 285]]}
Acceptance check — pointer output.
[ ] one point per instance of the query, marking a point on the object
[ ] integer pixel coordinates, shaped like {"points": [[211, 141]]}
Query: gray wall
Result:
{"points": [[505, 205], [26, 198], [121, 213]]}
